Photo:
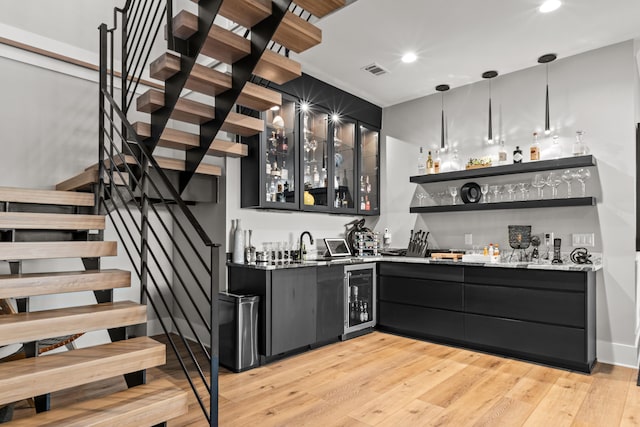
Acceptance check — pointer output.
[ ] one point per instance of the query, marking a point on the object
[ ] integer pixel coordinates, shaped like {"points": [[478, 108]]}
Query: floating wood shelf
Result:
{"points": [[539, 166], [521, 204]]}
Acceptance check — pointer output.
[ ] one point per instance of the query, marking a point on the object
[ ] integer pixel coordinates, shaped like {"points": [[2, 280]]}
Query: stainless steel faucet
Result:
{"points": [[301, 252]]}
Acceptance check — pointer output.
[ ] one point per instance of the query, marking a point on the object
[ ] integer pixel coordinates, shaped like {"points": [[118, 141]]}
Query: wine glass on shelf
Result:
{"points": [[495, 189], [582, 175], [554, 182], [511, 188], [421, 195], [567, 176], [524, 189], [539, 182], [484, 189], [454, 192]]}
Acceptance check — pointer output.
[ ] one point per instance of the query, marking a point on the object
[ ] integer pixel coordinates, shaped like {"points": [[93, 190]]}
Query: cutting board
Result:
{"points": [[446, 255]]}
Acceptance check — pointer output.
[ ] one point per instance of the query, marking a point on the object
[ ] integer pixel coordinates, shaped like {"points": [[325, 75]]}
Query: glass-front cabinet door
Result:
{"points": [[343, 143], [280, 163], [315, 167], [369, 162]]}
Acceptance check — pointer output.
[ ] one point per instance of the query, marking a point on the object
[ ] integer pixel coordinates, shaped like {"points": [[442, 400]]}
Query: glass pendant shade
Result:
{"points": [[490, 75], [546, 59], [443, 138]]}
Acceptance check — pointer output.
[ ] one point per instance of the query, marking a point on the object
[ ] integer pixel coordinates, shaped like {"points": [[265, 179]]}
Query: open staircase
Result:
{"points": [[139, 190], [41, 225]]}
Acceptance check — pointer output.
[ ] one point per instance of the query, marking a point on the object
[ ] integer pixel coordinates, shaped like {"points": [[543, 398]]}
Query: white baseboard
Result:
{"points": [[617, 354]]}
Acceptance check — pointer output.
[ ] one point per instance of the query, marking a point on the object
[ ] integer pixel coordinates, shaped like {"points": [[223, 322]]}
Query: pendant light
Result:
{"points": [[443, 138], [490, 75], [546, 59]]}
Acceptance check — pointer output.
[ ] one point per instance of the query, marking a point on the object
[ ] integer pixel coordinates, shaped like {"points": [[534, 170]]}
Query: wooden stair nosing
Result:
{"points": [[245, 12], [297, 34], [38, 325], [84, 180], [320, 8], [170, 164], [211, 82], [15, 251], [143, 405], [46, 197], [22, 379], [181, 140], [49, 221], [198, 113], [33, 284]]}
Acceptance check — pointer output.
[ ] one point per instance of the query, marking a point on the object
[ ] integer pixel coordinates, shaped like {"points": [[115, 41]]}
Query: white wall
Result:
{"points": [[595, 92]]}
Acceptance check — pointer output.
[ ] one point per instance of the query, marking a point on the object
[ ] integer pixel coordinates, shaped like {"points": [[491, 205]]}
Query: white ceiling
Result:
{"points": [[456, 41]]}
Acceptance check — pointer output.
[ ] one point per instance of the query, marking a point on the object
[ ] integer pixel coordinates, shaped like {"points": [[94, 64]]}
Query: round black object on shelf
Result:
{"points": [[470, 193]]}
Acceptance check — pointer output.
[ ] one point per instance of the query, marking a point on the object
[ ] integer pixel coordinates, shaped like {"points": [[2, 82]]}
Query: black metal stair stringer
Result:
{"points": [[189, 51], [241, 72]]}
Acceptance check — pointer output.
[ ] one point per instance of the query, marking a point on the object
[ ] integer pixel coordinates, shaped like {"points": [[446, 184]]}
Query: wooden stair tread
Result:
{"points": [[49, 221], [198, 113], [22, 379], [296, 34], [168, 163], [277, 68], [180, 140], [37, 325], [42, 250], [320, 8], [45, 197], [86, 179], [32, 284], [211, 82], [144, 405], [245, 12]]}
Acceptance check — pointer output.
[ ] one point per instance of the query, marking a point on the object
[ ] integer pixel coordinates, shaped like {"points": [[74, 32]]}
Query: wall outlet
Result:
{"points": [[583, 239], [468, 239]]}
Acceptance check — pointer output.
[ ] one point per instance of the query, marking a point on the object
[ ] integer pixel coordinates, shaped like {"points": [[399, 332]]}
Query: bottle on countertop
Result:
{"points": [[238, 244], [430, 169], [386, 238], [496, 250], [491, 252], [421, 163], [502, 154], [437, 162], [534, 151], [517, 155]]}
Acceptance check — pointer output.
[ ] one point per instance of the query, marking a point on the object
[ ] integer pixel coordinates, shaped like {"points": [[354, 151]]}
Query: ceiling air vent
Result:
{"points": [[375, 69]]}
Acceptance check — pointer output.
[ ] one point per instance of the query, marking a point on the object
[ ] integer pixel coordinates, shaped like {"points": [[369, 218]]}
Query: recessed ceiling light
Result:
{"points": [[409, 57], [275, 108], [335, 117], [550, 6], [304, 106]]}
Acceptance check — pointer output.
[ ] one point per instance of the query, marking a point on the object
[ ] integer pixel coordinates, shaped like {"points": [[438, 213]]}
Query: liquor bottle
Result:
{"points": [[362, 203], [421, 164], [365, 311], [436, 162], [284, 172], [430, 169], [362, 187], [275, 171], [345, 202], [368, 184], [517, 155], [502, 154], [361, 310], [579, 148], [367, 204], [337, 203], [272, 190], [534, 151], [316, 176]]}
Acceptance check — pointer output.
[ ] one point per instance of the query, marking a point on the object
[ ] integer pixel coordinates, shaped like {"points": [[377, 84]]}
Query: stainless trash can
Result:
{"points": [[238, 316]]}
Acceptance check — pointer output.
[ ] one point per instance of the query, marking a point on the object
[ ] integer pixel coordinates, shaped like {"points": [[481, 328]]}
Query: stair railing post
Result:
{"points": [[99, 195], [213, 398]]}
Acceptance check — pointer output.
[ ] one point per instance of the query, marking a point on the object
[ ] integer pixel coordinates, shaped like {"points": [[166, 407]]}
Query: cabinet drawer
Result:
{"points": [[425, 293], [557, 307], [448, 273], [530, 339], [527, 278], [421, 321]]}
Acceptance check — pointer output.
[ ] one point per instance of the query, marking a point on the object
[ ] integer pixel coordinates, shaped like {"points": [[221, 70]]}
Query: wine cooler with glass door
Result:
{"points": [[360, 295]]}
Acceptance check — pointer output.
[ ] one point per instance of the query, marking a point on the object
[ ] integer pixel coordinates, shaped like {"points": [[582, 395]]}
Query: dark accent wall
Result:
{"points": [[315, 91]]}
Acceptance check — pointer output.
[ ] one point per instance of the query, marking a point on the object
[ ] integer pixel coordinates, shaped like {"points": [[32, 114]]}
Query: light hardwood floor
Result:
{"points": [[386, 380]]}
